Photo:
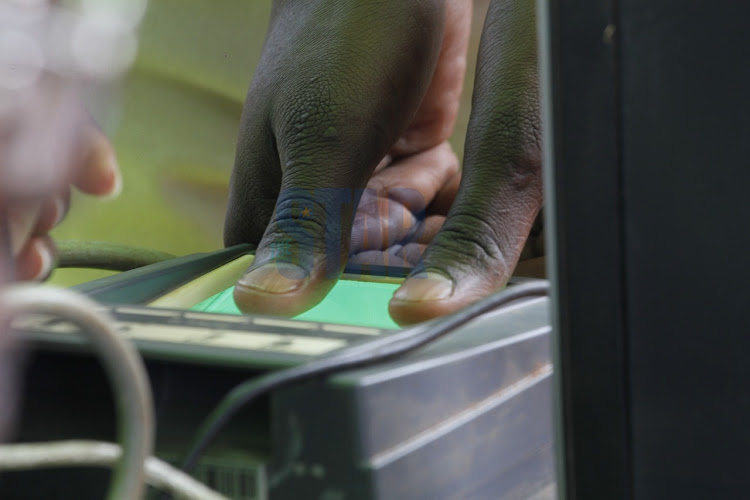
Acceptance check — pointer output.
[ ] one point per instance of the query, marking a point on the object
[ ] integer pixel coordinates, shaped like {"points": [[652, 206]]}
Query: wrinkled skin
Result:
{"points": [[343, 83]]}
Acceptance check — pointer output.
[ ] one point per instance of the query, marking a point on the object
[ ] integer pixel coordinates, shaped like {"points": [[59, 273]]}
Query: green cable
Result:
{"points": [[105, 255]]}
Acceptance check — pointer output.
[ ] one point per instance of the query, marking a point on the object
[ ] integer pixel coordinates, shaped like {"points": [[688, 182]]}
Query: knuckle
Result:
{"points": [[301, 221], [314, 107], [314, 223], [328, 121], [520, 138], [470, 240], [510, 151]]}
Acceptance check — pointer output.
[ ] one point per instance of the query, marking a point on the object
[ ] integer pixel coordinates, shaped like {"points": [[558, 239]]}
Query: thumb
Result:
{"points": [[473, 255], [501, 189], [302, 253], [335, 106], [325, 162]]}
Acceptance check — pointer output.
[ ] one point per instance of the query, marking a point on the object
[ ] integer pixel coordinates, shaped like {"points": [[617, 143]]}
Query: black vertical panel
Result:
{"points": [[686, 179], [583, 210]]}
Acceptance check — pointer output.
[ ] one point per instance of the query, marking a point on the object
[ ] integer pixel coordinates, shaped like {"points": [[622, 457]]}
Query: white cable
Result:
{"points": [[122, 363], [159, 474]]}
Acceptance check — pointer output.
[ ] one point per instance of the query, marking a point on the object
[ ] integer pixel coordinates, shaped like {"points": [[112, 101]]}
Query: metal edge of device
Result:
{"points": [[483, 391]]}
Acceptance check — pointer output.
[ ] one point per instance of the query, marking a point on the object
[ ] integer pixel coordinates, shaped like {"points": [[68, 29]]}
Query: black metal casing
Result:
{"points": [[647, 126], [469, 416]]}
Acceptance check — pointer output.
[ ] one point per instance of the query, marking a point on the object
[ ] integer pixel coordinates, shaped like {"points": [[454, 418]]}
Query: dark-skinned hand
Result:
{"points": [[351, 105]]}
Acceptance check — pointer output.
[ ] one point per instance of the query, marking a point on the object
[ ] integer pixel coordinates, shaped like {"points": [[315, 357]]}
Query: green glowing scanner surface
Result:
{"points": [[350, 302]]}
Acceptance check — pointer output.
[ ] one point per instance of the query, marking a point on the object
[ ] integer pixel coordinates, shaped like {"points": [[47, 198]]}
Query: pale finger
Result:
{"points": [[36, 259], [52, 213], [97, 172], [22, 218]]}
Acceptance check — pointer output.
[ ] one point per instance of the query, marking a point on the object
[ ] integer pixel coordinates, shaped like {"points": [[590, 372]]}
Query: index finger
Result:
{"points": [[97, 172]]}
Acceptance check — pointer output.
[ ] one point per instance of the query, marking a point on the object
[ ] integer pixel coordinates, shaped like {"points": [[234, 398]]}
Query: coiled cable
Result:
{"points": [[122, 363]]}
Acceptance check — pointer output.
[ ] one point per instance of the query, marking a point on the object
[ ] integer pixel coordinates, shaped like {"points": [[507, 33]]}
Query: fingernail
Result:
{"points": [[116, 184], [59, 205], [425, 286], [46, 261], [275, 277]]}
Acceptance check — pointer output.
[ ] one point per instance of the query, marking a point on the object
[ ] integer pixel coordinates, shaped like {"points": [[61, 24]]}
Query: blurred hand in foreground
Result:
{"points": [[48, 143]]}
